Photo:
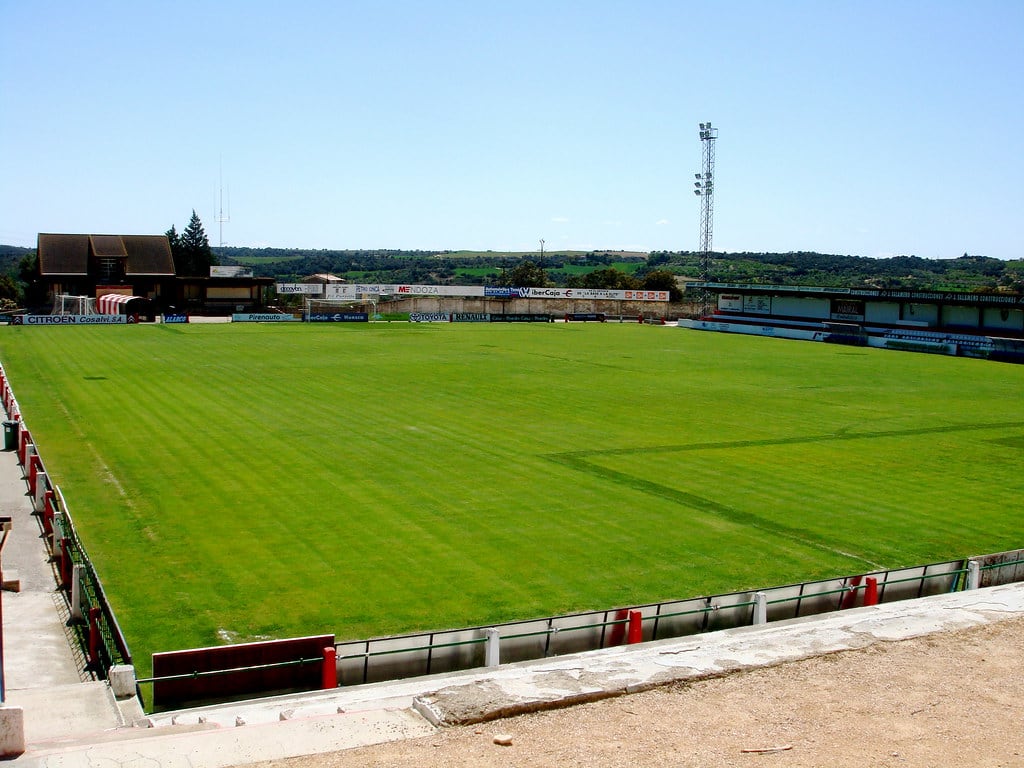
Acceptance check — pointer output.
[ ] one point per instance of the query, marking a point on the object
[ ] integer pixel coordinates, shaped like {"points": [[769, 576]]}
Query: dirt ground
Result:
{"points": [[953, 698]]}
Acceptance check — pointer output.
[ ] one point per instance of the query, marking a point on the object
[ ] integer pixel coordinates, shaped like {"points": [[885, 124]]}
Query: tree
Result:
{"points": [[34, 290], [662, 280], [526, 275], [609, 278], [195, 257], [175, 242]]}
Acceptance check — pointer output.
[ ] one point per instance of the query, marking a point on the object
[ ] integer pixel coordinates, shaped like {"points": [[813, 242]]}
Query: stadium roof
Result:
{"points": [[61, 254]]}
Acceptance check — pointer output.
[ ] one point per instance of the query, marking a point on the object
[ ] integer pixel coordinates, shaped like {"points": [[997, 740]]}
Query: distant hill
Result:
{"points": [[11, 256], [966, 273]]}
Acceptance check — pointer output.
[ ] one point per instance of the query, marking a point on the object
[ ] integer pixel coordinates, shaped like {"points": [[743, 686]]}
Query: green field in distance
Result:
{"points": [[239, 482]]}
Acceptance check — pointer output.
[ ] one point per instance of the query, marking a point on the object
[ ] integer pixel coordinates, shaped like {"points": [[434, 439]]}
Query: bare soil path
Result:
{"points": [[955, 698]]}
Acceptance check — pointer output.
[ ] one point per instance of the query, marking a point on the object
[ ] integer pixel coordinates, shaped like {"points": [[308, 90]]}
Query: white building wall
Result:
{"points": [[960, 316], [882, 312], [1009, 319], [793, 306], [926, 313]]}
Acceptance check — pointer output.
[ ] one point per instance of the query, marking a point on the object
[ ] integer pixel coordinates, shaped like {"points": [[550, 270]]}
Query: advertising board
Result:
{"points": [[72, 319], [471, 317], [355, 290], [757, 304], [429, 317], [339, 317], [521, 318], [261, 317], [309, 289]]}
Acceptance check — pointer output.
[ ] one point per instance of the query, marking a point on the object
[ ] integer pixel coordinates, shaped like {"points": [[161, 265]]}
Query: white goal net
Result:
{"points": [[63, 304]]}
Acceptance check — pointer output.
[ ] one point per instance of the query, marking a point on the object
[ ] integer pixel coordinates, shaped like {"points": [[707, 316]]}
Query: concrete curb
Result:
{"points": [[330, 721]]}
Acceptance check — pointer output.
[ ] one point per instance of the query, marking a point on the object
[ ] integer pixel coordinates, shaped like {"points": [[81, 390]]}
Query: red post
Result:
{"points": [[329, 677], [24, 437], [636, 630], [618, 633], [871, 591], [851, 596], [94, 635], [35, 464], [48, 502], [66, 566]]}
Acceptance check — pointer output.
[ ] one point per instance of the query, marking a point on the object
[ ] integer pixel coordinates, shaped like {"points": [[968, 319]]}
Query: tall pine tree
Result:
{"points": [[175, 242], [193, 257]]}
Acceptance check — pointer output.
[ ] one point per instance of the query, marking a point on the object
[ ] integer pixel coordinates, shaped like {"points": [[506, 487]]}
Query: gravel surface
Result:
{"points": [[945, 699]]}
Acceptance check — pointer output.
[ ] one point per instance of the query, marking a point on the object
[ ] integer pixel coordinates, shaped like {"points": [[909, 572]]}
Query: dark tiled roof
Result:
{"points": [[63, 254], [107, 246], [69, 254], [148, 255]]}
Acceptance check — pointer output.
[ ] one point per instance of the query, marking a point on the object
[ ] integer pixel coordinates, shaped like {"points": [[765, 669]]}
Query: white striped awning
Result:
{"points": [[111, 303]]}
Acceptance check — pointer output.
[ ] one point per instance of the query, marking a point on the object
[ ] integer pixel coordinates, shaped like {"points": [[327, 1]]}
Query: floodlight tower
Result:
{"points": [[704, 188]]}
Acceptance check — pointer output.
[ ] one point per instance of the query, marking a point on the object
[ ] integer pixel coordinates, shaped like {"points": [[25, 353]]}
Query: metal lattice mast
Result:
{"points": [[704, 188]]}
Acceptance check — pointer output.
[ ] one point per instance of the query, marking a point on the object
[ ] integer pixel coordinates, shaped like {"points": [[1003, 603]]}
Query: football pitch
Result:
{"points": [[241, 482]]}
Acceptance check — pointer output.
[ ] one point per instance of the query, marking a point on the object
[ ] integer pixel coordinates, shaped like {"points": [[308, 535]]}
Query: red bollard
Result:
{"points": [[329, 676], [24, 438], [618, 633], [636, 630], [851, 596], [48, 502], [871, 591], [35, 466], [66, 566]]}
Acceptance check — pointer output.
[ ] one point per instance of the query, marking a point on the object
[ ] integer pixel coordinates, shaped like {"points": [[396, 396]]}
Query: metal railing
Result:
{"points": [[388, 658], [92, 619]]}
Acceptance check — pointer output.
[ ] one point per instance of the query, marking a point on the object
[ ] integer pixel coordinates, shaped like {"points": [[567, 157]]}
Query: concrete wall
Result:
{"points": [[1008, 319], [794, 306], [554, 307], [887, 312], [961, 317], [927, 313]]}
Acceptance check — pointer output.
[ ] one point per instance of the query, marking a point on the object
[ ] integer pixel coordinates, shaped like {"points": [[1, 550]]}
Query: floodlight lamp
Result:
{"points": [[696, 192], [696, 175], [702, 126]]}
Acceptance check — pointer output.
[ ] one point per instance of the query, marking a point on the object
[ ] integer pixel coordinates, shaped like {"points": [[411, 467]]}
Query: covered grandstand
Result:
{"points": [[989, 325]]}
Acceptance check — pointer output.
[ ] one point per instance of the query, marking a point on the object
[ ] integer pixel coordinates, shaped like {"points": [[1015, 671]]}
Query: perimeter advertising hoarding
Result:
{"points": [[232, 271], [355, 290], [429, 317], [730, 302], [72, 319], [471, 317], [310, 289], [758, 304], [339, 317], [261, 317], [592, 293], [349, 291], [521, 318], [847, 309]]}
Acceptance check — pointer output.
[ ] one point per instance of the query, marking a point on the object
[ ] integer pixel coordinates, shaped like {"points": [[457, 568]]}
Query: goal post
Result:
{"points": [[315, 306], [66, 304]]}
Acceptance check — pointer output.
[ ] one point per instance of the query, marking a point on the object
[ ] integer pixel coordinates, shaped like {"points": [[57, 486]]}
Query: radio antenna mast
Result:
{"points": [[223, 219]]}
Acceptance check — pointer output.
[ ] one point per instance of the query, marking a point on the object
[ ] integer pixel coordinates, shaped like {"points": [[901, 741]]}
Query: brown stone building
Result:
{"points": [[140, 265]]}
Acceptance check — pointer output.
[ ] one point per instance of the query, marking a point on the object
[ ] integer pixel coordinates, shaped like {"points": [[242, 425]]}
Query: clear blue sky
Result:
{"points": [[863, 128]]}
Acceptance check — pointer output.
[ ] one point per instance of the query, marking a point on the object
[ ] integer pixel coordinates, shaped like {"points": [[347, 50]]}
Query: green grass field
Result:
{"points": [[251, 481]]}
